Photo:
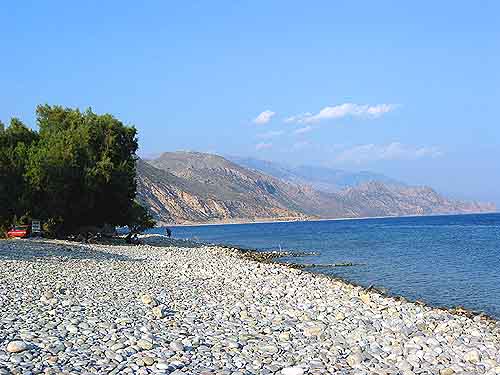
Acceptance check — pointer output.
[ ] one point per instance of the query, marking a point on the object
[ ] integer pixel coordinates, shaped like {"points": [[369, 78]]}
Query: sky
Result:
{"points": [[408, 89]]}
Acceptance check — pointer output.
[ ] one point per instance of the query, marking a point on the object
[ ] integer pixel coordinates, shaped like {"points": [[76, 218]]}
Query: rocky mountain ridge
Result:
{"points": [[318, 177], [192, 187]]}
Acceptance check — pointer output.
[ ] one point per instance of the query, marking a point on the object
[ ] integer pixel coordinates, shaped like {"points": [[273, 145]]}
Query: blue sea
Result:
{"points": [[442, 260]]}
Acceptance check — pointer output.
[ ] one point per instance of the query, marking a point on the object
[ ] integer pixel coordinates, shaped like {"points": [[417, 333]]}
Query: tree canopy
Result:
{"points": [[77, 170]]}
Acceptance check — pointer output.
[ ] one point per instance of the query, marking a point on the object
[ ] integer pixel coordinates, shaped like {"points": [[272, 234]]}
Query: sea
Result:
{"points": [[444, 261]]}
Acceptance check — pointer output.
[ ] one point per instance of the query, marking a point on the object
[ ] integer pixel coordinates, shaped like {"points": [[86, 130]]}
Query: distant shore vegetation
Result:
{"points": [[77, 171]]}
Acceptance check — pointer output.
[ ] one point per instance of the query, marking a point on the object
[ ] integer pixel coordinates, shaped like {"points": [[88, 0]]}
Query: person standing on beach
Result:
{"points": [[169, 232]]}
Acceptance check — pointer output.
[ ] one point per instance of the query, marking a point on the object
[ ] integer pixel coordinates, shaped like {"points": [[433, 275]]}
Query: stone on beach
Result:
{"points": [[339, 316], [148, 361], [147, 299], [472, 356], [177, 346], [144, 344], [354, 360], [313, 330], [16, 346], [292, 371], [447, 371], [158, 312], [284, 336], [365, 297], [184, 308]]}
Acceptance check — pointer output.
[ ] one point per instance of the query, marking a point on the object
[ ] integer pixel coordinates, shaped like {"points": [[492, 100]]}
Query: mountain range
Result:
{"points": [[193, 187], [318, 177]]}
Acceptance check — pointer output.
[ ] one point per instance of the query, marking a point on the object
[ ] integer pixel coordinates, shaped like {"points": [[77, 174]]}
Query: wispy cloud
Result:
{"points": [[298, 118], [263, 146], [271, 134], [343, 110], [305, 129], [392, 151], [264, 117]]}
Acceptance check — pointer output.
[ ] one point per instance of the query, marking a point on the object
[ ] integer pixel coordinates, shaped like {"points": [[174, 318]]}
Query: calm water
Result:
{"points": [[443, 260]]}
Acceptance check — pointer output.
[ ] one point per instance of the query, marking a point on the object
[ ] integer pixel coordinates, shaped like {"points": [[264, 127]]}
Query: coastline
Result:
{"points": [[174, 306], [287, 220], [274, 256]]}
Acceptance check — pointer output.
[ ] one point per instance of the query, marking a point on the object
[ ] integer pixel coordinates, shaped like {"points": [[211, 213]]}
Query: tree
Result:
{"points": [[15, 143], [138, 220], [83, 169], [78, 170]]}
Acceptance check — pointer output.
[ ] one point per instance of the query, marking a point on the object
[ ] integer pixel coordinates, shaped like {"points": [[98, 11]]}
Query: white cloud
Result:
{"points": [[303, 130], [271, 134], [264, 117], [297, 118], [392, 151], [263, 146], [343, 110]]}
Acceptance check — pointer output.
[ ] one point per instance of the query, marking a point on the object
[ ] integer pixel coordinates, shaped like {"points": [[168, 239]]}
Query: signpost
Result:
{"points": [[36, 228]]}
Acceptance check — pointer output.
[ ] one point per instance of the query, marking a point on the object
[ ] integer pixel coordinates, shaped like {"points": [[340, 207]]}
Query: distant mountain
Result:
{"points": [[186, 187], [320, 178], [192, 187], [379, 199]]}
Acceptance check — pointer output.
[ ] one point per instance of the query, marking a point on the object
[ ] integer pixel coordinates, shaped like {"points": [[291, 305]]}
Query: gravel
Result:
{"points": [[174, 307]]}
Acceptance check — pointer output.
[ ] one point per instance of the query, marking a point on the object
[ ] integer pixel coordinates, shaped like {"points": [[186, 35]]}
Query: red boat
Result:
{"points": [[19, 231]]}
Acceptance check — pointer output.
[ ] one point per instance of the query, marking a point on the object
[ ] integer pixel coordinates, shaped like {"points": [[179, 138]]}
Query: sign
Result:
{"points": [[36, 226]]}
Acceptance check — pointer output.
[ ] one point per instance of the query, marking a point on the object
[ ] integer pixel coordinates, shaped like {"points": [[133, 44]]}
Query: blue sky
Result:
{"points": [[409, 90]]}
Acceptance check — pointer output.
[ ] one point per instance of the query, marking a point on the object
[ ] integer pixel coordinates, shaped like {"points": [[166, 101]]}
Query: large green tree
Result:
{"points": [[78, 170], [15, 143]]}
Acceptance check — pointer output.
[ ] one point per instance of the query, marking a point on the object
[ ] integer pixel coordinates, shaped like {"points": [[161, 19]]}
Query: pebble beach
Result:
{"points": [[176, 307]]}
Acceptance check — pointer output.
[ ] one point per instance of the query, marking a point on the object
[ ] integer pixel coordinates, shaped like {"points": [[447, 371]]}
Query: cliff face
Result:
{"points": [[212, 195], [378, 199], [187, 187]]}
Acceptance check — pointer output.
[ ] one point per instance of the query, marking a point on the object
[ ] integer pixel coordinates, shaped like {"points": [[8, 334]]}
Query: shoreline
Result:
{"points": [[176, 306], [274, 256], [286, 220], [458, 309]]}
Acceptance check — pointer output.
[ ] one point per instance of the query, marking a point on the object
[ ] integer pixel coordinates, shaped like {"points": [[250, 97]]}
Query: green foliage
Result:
{"points": [[139, 219], [78, 170], [52, 227], [15, 143]]}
